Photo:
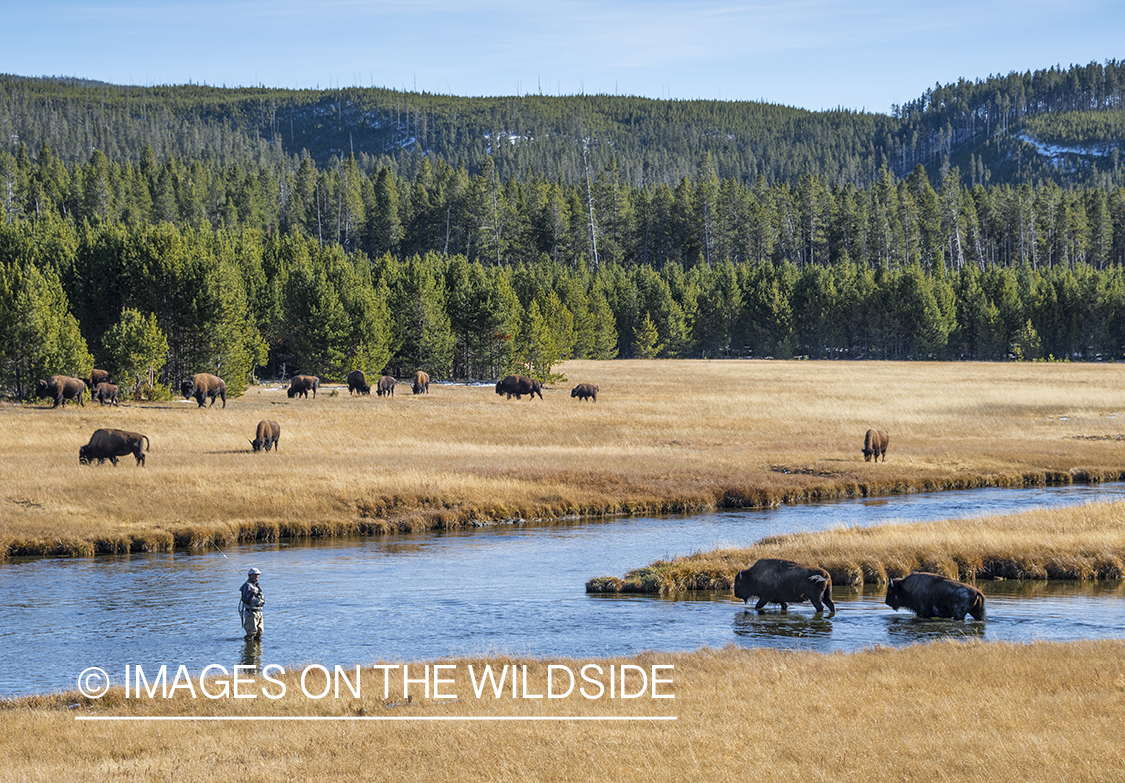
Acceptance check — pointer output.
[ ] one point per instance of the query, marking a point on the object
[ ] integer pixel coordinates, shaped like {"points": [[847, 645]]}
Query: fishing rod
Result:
{"points": [[224, 554]]}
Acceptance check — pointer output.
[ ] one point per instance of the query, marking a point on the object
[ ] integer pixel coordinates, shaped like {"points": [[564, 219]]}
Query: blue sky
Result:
{"points": [[816, 54]]}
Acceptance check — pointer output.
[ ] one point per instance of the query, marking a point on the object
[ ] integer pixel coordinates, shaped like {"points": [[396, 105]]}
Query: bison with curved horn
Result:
{"points": [[875, 443], [585, 391], [357, 383], [386, 386], [269, 433], [111, 444], [933, 595], [784, 582], [421, 383], [60, 388], [303, 384], [519, 385], [204, 385]]}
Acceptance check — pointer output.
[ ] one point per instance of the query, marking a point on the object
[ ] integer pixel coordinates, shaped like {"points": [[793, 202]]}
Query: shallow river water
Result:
{"points": [[515, 589]]}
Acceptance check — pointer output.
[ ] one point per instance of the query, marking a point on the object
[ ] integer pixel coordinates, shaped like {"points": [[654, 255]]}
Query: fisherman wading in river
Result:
{"points": [[250, 607]]}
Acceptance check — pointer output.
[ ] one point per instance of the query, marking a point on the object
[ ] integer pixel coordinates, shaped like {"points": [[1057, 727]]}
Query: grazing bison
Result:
{"points": [[784, 582], [269, 433], [421, 383], [203, 385], [303, 384], [875, 442], [96, 377], [933, 595], [357, 383], [386, 385], [519, 385], [111, 444], [60, 388], [105, 392], [585, 391]]}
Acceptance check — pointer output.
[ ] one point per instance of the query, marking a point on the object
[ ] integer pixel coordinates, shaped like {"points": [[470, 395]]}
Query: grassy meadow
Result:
{"points": [[664, 436], [948, 711]]}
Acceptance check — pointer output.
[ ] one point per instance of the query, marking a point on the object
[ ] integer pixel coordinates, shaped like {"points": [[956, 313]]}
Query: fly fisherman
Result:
{"points": [[250, 607]]}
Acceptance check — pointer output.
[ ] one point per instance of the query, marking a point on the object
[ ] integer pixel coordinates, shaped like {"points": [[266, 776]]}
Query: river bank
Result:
{"points": [[942, 711], [664, 437]]}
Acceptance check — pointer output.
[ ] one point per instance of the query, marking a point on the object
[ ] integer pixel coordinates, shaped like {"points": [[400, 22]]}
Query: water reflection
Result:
{"points": [[907, 629], [772, 626]]}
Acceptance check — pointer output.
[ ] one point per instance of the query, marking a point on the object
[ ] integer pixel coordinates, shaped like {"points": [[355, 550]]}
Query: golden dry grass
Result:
{"points": [[663, 436], [1082, 542], [942, 712]]}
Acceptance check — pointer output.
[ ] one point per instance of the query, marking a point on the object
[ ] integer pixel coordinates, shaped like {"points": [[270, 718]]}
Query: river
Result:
{"points": [[516, 590]]}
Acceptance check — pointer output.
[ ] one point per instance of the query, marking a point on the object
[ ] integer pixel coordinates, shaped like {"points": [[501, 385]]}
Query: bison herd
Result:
{"points": [[784, 582]]}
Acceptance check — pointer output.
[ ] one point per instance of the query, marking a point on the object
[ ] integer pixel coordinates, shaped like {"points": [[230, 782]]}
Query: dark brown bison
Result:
{"points": [[933, 595], [875, 442], [105, 392], [303, 384], [96, 377], [421, 383], [60, 388], [357, 383], [584, 391], [386, 385], [111, 444], [519, 385], [203, 385], [784, 582], [269, 432]]}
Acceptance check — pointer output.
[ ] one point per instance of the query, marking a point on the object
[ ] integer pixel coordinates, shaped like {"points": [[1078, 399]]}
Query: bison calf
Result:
{"points": [[784, 582], [269, 433], [584, 391], [875, 442], [111, 444], [933, 595]]}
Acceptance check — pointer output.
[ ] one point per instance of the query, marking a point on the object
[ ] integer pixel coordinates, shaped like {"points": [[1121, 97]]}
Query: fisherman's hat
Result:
{"points": [[253, 571]]}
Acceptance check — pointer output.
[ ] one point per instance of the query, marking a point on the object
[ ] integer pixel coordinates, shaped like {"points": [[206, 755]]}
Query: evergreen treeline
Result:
{"points": [[239, 302]]}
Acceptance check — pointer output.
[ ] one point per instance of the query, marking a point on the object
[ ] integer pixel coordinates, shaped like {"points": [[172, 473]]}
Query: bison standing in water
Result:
{"points": [[386, 386], [303, 384], [933, 595], [784, 582], [519, 385], [357, 383], [584, 391], [269, 433], [203, 385], [105, 392], [875, 442], [111, 444], [421, 383], [60, 388]]}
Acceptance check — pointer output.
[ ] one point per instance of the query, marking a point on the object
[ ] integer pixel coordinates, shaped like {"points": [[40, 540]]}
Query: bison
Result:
{"points": [[584, 391], [269, 432], [784, 582], [875, 442], [105, 392], [303, 384], [421, 383], [60, 388], [519, 385], [386, 386], [111, 444], [933, 595], [96, 377], [203, 385], [357, 383]]}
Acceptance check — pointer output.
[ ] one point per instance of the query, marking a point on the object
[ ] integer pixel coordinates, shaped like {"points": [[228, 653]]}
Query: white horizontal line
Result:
{"points": [[138, 718]]}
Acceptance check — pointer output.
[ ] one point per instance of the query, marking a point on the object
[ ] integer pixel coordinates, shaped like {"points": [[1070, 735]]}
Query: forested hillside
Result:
{"points": [[166, 231]]}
